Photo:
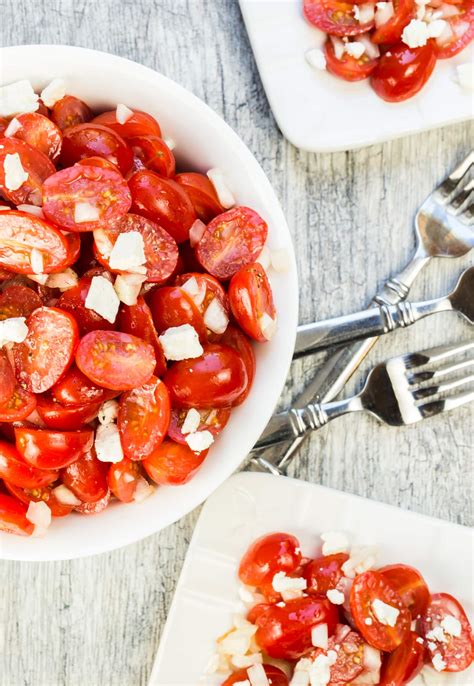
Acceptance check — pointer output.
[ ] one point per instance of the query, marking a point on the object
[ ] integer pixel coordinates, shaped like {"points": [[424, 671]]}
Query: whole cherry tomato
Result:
{"points": [[91, 139], [268, 555], [16, 471], [143, 419], [70, 111], [410, 585], [402, 71], [13, 517], [48, 449], [87, 478], [456, 651], [251, 302], [404, 663], [324, 573], [173, 464]]}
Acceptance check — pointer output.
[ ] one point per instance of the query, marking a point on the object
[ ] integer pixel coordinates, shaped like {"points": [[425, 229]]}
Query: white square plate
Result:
{"points": [[250, 505], [319, 112]]}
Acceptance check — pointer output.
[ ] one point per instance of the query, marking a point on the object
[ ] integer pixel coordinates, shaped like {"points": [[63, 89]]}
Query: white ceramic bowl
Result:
{"points": [[203, 141]]}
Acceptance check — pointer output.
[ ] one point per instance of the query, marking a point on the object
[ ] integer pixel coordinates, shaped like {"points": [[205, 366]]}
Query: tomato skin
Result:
{"points": [[324, 573], [115, 360], [37, 165], [172, 306], [211, 420], [48, 449], [46, 495], [348, 68], [73, 301], [410, 585], [13, 517], [19, 406], [268, 555], [143, 419], [70, 111], [456, 652], [210, 287], [39, 132], [173, 464], [137, 320], [275, 676], [123, 478], [459, 42], [7, 378], [335, 17], [88, 140], [231, 241], [75, 389], [404, 663], [100, 162], [153, 153], [391, 31], [250, 296], [139, 124], [87, 477], [285, 632], [202, 194], [61, 418], [402, 71], [18, 472], [237, 340], [216, 379], [366, 588]]}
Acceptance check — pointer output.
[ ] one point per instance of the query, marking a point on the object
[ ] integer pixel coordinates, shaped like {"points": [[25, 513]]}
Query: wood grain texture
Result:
{"points": [[97, 622]]}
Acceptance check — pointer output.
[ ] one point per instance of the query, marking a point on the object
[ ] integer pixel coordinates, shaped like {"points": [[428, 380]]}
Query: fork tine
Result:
{"points": [[437, 354], [467, 216], [461, 200], [442, 387], [447, 188], [437, 406], [418, 377]]}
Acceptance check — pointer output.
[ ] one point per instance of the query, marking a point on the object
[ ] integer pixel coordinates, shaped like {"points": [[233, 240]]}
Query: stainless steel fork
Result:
{"points": [[399, 392]]}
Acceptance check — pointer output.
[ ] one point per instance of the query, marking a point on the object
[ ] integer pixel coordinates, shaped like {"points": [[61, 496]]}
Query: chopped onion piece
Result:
{"points": [[123, 113], [383, 13], [143, 490], [64, 280], [371, 50], [13, 127], [104, 245], [54, 91], [268, 325], [338, 46], [265, 257], [319, 636], [37, 261], [85, 212], [280, 259], [65, 496], [215, 317], [196, 231], [170, 143], [39, 514], [366, 12], [31, 209], [224, 194]]}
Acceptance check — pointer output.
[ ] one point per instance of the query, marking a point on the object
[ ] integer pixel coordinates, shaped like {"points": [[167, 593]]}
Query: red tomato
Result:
{"points": [[18, 407], [202, 194], [410, 585], [46, 495], [71, 418], [7, 378], [18, 301], [161, 251], [87, 478], [231, 241], [104, 189], [20, 233], [139, 124], [372, 586], [402, 71], [164, 201], [115, 360], [237, 340], [153, 153], [73, 301], [137, 320], [349, 647], [39, 132], [143, 419], [274, 675], [256, 611], [70, 111], [172, 306], [406, 661], [123, 478], [15, 470], [211, 420], [347, 67], [47, 351], [391, 31], [216, 379], [3, 125], [267, 556], [324, 573], [462, 31], [457, 652], [88, 140], [13, 517], [37, 165], [75, 389], [285, 632], [101, 162], [95, 507], [173, 464], [334, 17], [207, 288], [251, 301], [47, 449]]}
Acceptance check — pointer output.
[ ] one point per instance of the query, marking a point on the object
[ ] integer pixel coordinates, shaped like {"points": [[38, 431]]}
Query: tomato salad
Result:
{"points": [[130, 293], [336, 619], [395, 43]]}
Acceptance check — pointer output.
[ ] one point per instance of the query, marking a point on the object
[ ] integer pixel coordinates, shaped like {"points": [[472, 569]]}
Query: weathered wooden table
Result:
{"points": [[97, 622]]}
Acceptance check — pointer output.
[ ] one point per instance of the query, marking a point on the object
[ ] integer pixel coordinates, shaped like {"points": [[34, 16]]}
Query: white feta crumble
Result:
{"points": [[384, 11], [335, 596], [257, 676], [181, 343], [282, 583], [39, 514], [128, 287], [108, 412], [191, 422], [65, 496], [268, 325], [215, 316], [224, 194], [366, 12], [362, 558], [368, 621], [103, 243], [437, 634], [13, 127], [54, 91], [319, 636], [85, 212], [415, 34], [128, 251], [465, 74], [386, 614], [320, 672], [356, 12], [31, 209], [13, 330], [196, 232], [102, 298], [438, 663], [63, 280], [301, 673], [316, 58], [280, 258], [196, 291], [107, 443], [355, 49], [199, 440], [436, 28], [143, 490], [265, 258], [123, 113], [334, 542], [15, 175], [17, 98], [451, 626], [37, 261]]}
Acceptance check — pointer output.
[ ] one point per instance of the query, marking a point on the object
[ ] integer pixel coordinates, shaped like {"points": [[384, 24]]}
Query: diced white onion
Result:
{"points": [[143, 490], [280, 260], [128, 287], [384, 11], [64, 280], [224, 194], [85, 212], [13, 127], [371, 49], [37, 261], [191, 422], [372, 659], [338, 46], [123, 113], [15, 175], [268, 326], [53, 92], [257, 675], [215, 316], [196, 232], [194, 290], [39, 514], [103, 244], [171, 144], [319, 636], [66, 496], [31, 209], [265, 257], [366, 12]]}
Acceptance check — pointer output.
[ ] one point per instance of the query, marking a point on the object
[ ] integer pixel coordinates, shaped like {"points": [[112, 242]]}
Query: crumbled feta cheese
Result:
{"points": [[265, 257], [355, 49], [362, 558], [31, 209], [366, 12], [15, 175], [436, 28], [282, 583], [191, 422], [39, 514], [334, 542], [143, 490], [316, 58], [85, 212], [438, 663], [128, 251], [320, 672], [123, 113], [268, 325], [465, 74], [63, 280], [181, 343], [257, 676], [280, 258], [386, 614], [107, 443], [418, 640], [196, 291], [356, 12], [301, 673], [170, 143], [102, 298], [451, 626], [431, 645], [128, 287], [369, 621], [103, 243], [13, 127], [17, 98], [65, 496], [319, 636], [224, 194], [13, 330], [244, 661], [245, 594], [215, 316], [54, 91], [200, 440], [335, 596], [338, 46], [38, 278], [196, 232], [37, 261], [108, 412], [415, 34], [437, 634]]}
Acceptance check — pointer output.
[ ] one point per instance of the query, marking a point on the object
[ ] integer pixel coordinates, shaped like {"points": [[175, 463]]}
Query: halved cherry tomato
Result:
{"points": [[73, 301], [139, 124], [462, 31], [366, 588], [173, 464], [402, 71], [237, 340], [123, 478], [101, 162], [160, 248], [348, 67], [202, 194], [144, 415], [70, 418], [211, 420], [284, 632], [15, 470], [7, 378], [39, 132], [95, 507], [88, 140], [216, 379], [410, 585], [104, 189], [153, 153], [207, 288], [3, 125], [75, 389], [335, 17], [46, 495], [37, 165], [457, 652], [48, 449], [251, 301], [115, 360], [172, 306], [404, 663], [47, 351], [13, 517], [391, 31], [19, 405], [349, 648], [268, 555], [231, 241], [324, 573], [70, 111], [164, 201], [274, 675], [87, 478], [137, 320], [20, 233]]}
